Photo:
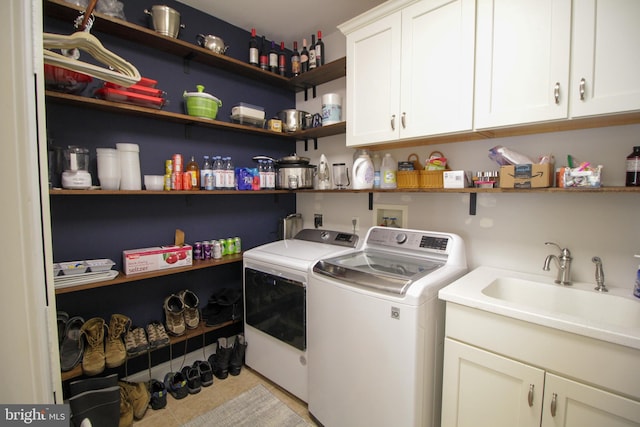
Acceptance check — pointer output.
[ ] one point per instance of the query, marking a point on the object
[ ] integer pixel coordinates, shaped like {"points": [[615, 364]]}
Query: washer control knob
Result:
{"points": [[325, 235], [401, 238]]}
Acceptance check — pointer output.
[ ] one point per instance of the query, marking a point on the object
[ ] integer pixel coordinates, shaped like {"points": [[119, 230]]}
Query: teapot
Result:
{"points": [[213, 43]]}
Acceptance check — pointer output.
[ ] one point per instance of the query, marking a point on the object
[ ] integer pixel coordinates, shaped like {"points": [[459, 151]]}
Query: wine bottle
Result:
{"points": [[295, 60], [273, 58], [253, 49], [320, 56], [282, 61], [304, 57], [312, 53], [264, 56]]}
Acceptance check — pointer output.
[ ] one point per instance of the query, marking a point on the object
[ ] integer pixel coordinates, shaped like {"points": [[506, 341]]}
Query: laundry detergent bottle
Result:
{"points": [[363, 172]]}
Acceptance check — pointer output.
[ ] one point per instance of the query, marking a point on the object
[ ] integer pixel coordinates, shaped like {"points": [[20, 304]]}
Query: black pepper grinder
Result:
{"points": [[633, 168]]}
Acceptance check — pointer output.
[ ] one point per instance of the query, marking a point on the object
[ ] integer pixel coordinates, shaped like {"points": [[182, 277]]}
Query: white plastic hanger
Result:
{"points": [[125, 73]]}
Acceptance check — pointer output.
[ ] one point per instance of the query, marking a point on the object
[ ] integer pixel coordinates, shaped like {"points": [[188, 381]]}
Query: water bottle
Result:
{"points": [[229, 174], [206, 173], [218, 173], [388, 171], [262, 171], [271, 175]]}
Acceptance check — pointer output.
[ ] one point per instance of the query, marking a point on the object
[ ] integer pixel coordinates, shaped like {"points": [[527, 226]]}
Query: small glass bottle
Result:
{"points": [[633, 168]]}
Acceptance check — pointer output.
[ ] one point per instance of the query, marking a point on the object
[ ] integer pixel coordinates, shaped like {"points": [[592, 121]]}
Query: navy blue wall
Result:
{"points": [[102, 227]]}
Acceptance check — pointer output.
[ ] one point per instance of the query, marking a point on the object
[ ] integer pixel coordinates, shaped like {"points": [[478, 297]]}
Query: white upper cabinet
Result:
{"points": [[522, 61], [410, 72], [605, 63]]}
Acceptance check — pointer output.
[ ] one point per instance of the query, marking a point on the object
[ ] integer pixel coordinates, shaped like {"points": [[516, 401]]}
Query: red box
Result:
{"points": [[145, 260]]}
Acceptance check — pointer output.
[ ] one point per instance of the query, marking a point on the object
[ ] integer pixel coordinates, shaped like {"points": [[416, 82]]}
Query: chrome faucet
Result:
{"points": [[563, 262], [600, 286]]}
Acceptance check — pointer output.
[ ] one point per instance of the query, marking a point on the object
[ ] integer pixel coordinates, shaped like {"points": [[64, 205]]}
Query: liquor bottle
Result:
{"points": [[295, 60], [320, 50], [273, 58], [194, 171], [304, 57], [312, 53], [282, 61], [264, 56], [254, 54]]}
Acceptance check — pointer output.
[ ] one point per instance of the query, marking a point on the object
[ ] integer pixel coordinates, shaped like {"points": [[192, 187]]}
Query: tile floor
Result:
{"points": [[178, 412]]}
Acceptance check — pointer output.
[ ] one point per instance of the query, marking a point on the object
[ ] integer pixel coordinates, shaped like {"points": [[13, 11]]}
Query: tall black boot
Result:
{"points": [[220, 360], [101, 407], [96, 383], [237, 355]]}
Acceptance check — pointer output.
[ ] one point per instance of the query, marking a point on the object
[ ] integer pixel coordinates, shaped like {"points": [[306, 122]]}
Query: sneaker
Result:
{"points": [[176, 384], [193, 379], [173, 311], [137, 395], [158, 395], [157, 335], [191, 313], [136, 342], [206, 373], [220, 359]]}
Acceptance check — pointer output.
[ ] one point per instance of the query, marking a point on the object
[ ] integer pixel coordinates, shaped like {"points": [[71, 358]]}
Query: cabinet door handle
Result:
{"points": [[556, 93], [530, 395], [403, 120], [393, 122], [554, 404], [582, 84]]}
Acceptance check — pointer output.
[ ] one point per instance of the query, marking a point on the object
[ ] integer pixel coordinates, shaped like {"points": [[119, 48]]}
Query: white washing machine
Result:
{"points": [[376, 329], [275, 278]]}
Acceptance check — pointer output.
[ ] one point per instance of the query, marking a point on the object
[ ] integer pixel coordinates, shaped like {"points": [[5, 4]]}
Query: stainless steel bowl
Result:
{"points": [[294, 120]]}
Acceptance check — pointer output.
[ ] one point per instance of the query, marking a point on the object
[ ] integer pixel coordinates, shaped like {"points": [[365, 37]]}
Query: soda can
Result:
{"points": [[206, 248], [176, 181], [217, 250], [167, 182], [168, 167], [186, 181], [231, 246], [223, 247], [197, 250], [237, 244], [177, 163]]}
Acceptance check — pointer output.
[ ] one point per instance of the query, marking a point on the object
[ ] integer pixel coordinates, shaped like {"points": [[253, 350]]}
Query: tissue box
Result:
{"points": [[144, 260], [526, 176], [454, 179]]}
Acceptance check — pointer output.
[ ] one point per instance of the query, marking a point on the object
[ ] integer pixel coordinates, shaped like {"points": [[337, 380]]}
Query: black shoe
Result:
{"points": [[72, 347], [237, 355], [192, 375], [206, 373], [158, 395], [176, 384], [220, 360]]}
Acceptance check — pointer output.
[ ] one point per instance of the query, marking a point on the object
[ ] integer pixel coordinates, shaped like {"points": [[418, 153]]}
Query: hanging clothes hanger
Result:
{"points": [[123, 73]]}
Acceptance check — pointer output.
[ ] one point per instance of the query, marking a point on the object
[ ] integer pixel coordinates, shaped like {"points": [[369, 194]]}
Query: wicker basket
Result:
{"points": [[408, 179], [432, 179]]}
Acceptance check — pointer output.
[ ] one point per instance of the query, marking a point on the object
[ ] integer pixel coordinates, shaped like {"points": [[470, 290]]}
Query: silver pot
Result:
{"points": [[213, 43], [165, 20], [294, 120], [292, 172]]}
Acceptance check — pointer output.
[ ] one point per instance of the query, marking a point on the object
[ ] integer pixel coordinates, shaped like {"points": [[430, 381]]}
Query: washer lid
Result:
{"points": [[382, 271]]}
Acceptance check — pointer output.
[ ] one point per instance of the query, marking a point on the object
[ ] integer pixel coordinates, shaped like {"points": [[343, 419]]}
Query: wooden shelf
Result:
{"points": [[130, 109], [190, 333], [123, 278], [59, 9]]}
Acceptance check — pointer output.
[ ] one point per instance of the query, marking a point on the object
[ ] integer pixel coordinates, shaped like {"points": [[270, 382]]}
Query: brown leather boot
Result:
{"points": [[93, 361], [137, 395], [115, 353]]}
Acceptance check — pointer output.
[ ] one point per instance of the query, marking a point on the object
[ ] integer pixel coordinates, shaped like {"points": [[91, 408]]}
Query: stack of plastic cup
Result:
{"points": [[108, 168], [130, 178]]}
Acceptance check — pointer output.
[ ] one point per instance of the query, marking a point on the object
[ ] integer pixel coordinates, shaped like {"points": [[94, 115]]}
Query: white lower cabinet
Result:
{"points": [[485, 389]]}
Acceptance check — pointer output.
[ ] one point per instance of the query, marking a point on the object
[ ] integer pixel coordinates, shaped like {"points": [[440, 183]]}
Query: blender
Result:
{"points": [[76, 174]]}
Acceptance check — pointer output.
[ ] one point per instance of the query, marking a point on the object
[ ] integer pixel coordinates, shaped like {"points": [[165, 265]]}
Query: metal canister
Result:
{"points": [[217, 249], [231, 246], [206, 248], [237, 244], [223, 247], [197, 250], [178, 166]]}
